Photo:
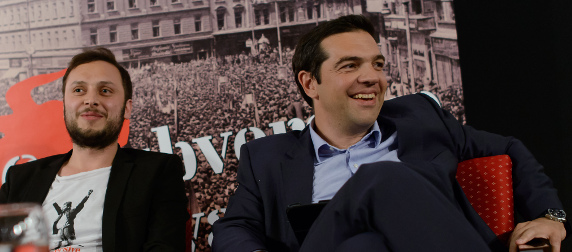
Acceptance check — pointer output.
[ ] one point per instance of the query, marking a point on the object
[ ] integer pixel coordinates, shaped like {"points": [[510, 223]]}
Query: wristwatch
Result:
{"points": [[555, 215]]}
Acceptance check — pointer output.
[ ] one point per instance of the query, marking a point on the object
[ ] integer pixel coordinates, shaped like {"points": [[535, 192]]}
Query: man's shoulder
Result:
{"points": [[138, 152], [145, 155], [44, 160], [412, 99], [38, 163], [416, 102], [147, 162], [279, 141]]}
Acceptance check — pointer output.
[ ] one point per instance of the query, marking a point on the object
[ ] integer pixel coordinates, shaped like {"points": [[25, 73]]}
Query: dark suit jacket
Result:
{"points": [[145, 206], [277, 171]]}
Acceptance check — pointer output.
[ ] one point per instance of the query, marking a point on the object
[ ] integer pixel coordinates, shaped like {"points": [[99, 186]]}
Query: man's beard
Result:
{"points": [[94, 139]]}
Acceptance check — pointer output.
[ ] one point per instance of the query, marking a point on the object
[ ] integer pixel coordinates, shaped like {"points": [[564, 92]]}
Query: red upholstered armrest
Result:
{"points": [[487, 183]]}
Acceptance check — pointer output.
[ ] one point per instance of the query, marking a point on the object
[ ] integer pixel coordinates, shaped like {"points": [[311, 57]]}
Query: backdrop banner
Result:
{"points": [[205, 95]]}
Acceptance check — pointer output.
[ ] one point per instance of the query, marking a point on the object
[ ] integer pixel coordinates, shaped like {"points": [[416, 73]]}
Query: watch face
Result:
{"points": [[557, 213]]}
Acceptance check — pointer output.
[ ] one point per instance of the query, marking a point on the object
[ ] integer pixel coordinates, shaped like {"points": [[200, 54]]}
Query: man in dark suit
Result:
{"points": [[137, 198], [404, 196]]}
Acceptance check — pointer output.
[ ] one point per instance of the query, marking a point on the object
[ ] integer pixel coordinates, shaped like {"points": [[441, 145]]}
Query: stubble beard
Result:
{"points": [[94, 139]]}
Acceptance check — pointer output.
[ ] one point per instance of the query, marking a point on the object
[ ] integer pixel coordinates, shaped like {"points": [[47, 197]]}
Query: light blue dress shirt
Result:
{"points": [[333, 166]]}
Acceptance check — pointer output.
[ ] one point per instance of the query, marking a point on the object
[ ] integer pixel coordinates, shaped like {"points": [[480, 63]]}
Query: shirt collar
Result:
{"points": [[323, 150]]}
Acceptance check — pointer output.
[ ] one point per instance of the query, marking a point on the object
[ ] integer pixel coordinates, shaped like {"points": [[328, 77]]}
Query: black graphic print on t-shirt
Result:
{"points": [[67, 231]]}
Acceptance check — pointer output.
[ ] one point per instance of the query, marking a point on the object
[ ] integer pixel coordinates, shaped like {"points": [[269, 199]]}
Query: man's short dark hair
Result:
{"points": [[309, 55], [103, 54]]}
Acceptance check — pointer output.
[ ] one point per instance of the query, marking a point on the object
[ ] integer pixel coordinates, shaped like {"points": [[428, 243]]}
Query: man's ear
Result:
{"points": [[128, 108], [308, 83]]}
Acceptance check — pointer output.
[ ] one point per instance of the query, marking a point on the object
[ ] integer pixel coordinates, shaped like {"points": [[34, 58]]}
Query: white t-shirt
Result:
{"points": [[74, 211]]}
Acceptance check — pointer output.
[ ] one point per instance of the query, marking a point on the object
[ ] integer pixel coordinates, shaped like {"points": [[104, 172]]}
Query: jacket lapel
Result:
{"points": [[409, 137], [298, 171], [41, 182], [120, 172]]}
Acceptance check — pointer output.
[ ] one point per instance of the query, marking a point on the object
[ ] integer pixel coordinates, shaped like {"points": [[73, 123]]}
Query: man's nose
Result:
{"points": [[369, 75], [91, 99]]}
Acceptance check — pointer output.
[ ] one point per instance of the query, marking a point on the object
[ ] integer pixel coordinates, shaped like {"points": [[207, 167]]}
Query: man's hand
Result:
{"points": [[542, 227]]}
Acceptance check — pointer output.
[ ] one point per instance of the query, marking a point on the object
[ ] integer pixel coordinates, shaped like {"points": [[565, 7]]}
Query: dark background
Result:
{"points": [[516, 65]]}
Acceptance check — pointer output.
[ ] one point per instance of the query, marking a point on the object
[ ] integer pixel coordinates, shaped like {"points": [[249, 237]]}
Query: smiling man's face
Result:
{"points": [[94, 104], [352, 81]]}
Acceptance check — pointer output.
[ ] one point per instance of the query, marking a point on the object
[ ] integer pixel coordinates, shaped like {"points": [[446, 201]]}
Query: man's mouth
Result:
{"points": [[364, 96], [91, 115]]}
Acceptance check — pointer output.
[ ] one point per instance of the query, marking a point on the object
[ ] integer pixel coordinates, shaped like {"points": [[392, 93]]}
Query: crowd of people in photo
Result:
{"points": [[211, 96], [4, 108]]}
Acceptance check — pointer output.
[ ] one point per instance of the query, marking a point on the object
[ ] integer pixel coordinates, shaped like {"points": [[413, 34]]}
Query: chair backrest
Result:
{"points": [[487, 183]]}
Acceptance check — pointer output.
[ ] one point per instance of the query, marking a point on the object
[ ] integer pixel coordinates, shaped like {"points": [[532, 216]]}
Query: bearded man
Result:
{"points": [[137, 198]]}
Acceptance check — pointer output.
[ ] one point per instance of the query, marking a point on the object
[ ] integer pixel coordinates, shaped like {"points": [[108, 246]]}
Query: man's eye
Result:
{"points": [[378, 65], [349, 66], [77, 90], [106, 91]]}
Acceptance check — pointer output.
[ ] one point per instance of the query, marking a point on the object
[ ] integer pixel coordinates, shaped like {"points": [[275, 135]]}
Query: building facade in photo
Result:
{"points": [[242, 26], [37, 36], [446, 66], [143, 31], [421, 42]]}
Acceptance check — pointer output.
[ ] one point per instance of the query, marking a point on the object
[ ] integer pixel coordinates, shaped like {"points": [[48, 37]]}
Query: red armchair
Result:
{"points": [[487, 183]]}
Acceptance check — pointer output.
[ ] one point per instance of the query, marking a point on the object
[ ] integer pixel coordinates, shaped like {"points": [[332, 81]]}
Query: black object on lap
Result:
{"points": [[301, 217]]}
